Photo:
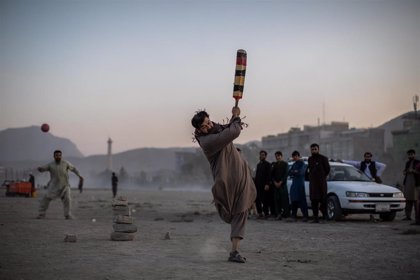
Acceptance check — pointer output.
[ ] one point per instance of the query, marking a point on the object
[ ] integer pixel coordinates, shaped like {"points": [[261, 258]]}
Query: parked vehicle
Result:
{"points": [[350, 191], [19, 189]]}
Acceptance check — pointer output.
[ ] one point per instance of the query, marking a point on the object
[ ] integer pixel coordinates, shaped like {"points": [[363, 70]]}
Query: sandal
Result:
{"points": [[236, 257]]}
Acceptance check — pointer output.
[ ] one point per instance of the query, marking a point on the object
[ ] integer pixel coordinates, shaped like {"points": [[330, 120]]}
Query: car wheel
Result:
{"points": [[389, 216], [334, 211]]}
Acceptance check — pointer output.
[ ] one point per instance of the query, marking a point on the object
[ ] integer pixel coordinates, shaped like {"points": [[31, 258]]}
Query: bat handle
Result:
{"points": [[236, 102]]}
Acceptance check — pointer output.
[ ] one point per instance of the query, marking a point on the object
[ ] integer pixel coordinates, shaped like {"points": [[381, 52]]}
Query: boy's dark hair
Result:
{"points": [[411, 151], [264, 152], [57, 152], [295, 153], [368, 154], [314, 145], [278, 153], [198, 119]]}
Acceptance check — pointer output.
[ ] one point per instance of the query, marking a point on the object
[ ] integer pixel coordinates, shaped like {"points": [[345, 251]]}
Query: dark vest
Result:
{"points": [[372, 168]]}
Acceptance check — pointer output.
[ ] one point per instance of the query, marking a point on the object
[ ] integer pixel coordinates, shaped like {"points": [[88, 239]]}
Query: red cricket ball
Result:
{"points": [[45, 127]]}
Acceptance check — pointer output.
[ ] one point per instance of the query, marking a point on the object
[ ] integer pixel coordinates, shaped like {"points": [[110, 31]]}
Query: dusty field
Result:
{"points": [[198, 249]]}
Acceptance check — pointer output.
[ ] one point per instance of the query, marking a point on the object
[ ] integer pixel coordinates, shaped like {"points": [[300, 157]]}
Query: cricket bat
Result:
{"points": [[238, 85]]}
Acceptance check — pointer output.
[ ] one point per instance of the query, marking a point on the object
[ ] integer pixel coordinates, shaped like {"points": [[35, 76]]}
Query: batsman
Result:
{"points": [[233, 190]]}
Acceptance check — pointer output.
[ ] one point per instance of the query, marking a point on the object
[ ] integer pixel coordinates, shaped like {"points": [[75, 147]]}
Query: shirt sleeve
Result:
{"points": [[327, 166], [44, 168], [213, 143], [73, 169], [380, 167]]}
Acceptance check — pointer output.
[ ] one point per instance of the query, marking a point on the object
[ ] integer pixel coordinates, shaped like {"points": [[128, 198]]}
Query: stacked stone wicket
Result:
{"points": [[124, 228]]}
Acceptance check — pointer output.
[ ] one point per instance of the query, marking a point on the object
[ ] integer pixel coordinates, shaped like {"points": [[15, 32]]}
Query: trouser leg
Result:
{"points": [[417, 205], [294, 208], [43, 206], [409, 207], [273, 209], [277, 201], [266, 202], [275, 212], [258, 202], [238, 224], [315, 207], [323, 207], [66, 199], [285, 204], [304, 207]]}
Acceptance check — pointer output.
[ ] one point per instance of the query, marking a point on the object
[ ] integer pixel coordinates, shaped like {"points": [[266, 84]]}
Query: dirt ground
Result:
{"points": [[355, 248]]}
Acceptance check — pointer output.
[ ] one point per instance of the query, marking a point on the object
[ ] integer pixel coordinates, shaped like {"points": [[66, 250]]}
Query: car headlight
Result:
{"points": [[357, 194], [398, 194]]}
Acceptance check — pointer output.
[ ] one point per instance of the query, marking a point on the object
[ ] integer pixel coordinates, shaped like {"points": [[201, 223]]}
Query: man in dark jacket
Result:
{"points": [[264, 201], [114, 182], [32, 181], [412, 186], [318, 170], [279, 178]]}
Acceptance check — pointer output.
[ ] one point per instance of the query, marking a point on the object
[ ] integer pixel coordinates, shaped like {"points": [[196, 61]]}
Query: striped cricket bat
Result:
{"points": [[238, 85]]}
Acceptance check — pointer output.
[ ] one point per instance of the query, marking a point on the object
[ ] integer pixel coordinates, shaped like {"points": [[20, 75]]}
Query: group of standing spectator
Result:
{"points": [[272, 192], [273, 200], [271, 184], [317, 172]]}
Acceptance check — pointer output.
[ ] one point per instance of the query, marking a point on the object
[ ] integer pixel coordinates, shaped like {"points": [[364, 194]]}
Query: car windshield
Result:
{"points": [[346, 173]]}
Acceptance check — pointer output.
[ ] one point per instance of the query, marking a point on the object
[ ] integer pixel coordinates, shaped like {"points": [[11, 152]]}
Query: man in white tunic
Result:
{"points": [[58, 186]]}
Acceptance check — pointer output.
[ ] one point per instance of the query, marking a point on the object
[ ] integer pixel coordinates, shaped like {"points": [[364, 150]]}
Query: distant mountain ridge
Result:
{"points": [[30, 143], [28, 147], [133, 161]]}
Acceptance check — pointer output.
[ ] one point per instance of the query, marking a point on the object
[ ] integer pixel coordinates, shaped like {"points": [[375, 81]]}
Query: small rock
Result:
{"points": [[167, 236], [70, 238]]}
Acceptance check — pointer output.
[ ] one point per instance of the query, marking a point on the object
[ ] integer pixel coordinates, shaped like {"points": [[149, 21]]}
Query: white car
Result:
{"points": [[350, 191]]}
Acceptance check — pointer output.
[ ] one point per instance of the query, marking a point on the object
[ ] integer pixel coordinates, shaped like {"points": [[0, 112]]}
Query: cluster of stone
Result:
{"points": [[124, 228]]}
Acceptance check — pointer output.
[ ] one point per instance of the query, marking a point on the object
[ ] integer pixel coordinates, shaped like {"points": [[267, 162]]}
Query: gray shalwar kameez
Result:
{"points": [[233, 191]]}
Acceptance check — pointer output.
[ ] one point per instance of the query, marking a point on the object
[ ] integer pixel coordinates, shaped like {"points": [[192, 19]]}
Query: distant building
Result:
{"points": [[406, 138], [336, 141]]}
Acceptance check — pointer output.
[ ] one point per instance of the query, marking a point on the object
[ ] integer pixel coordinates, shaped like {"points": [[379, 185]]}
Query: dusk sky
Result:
{"points": [[136, 71]]}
